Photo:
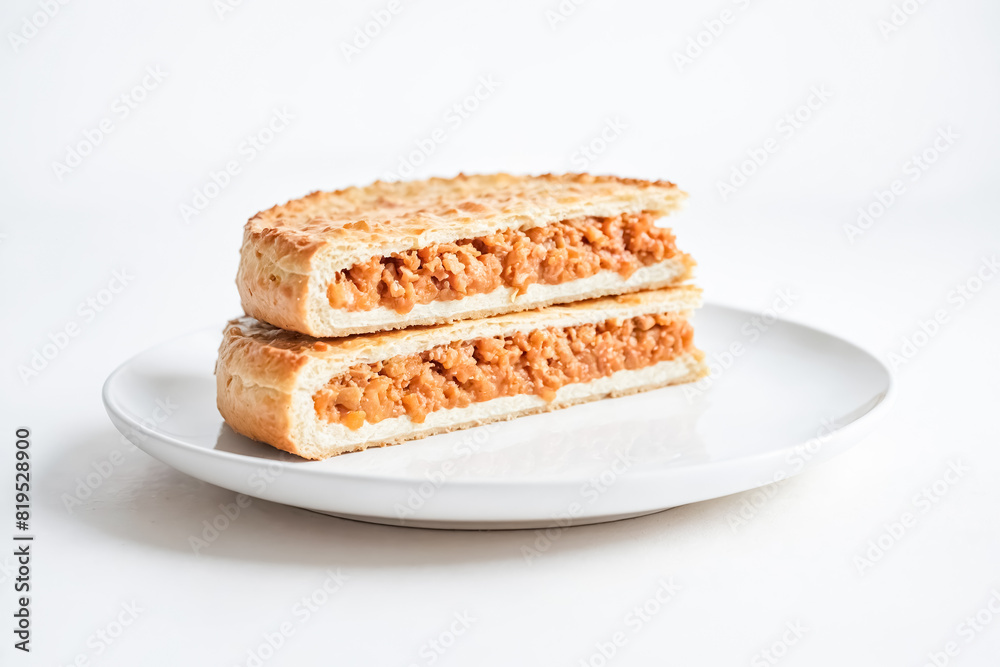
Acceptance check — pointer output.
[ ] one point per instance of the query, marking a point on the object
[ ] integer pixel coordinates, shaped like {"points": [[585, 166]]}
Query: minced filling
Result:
{"points": [[465, 372], [554, 254]]}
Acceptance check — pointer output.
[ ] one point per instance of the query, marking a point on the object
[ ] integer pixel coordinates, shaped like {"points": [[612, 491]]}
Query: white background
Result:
{"points": [[353, 121]]}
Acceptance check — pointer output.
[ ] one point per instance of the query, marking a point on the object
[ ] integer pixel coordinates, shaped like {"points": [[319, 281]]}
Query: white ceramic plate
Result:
{"points": [[788, 398]]}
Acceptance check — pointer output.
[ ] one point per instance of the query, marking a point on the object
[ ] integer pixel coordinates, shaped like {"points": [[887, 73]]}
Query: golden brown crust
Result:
{"points": [[273, 275], [254, 384], [380, 213], [286, 247]]}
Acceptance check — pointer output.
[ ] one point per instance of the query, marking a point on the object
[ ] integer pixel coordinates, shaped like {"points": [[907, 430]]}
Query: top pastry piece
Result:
{"points": [[393, 255]]}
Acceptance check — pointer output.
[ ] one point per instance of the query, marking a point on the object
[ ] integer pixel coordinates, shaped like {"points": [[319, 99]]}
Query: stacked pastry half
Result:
{"points": [[395, 311]]}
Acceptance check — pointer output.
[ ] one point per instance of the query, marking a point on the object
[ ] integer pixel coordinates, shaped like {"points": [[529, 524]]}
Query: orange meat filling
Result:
{"points": [[465, 372], [554, 254]]}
